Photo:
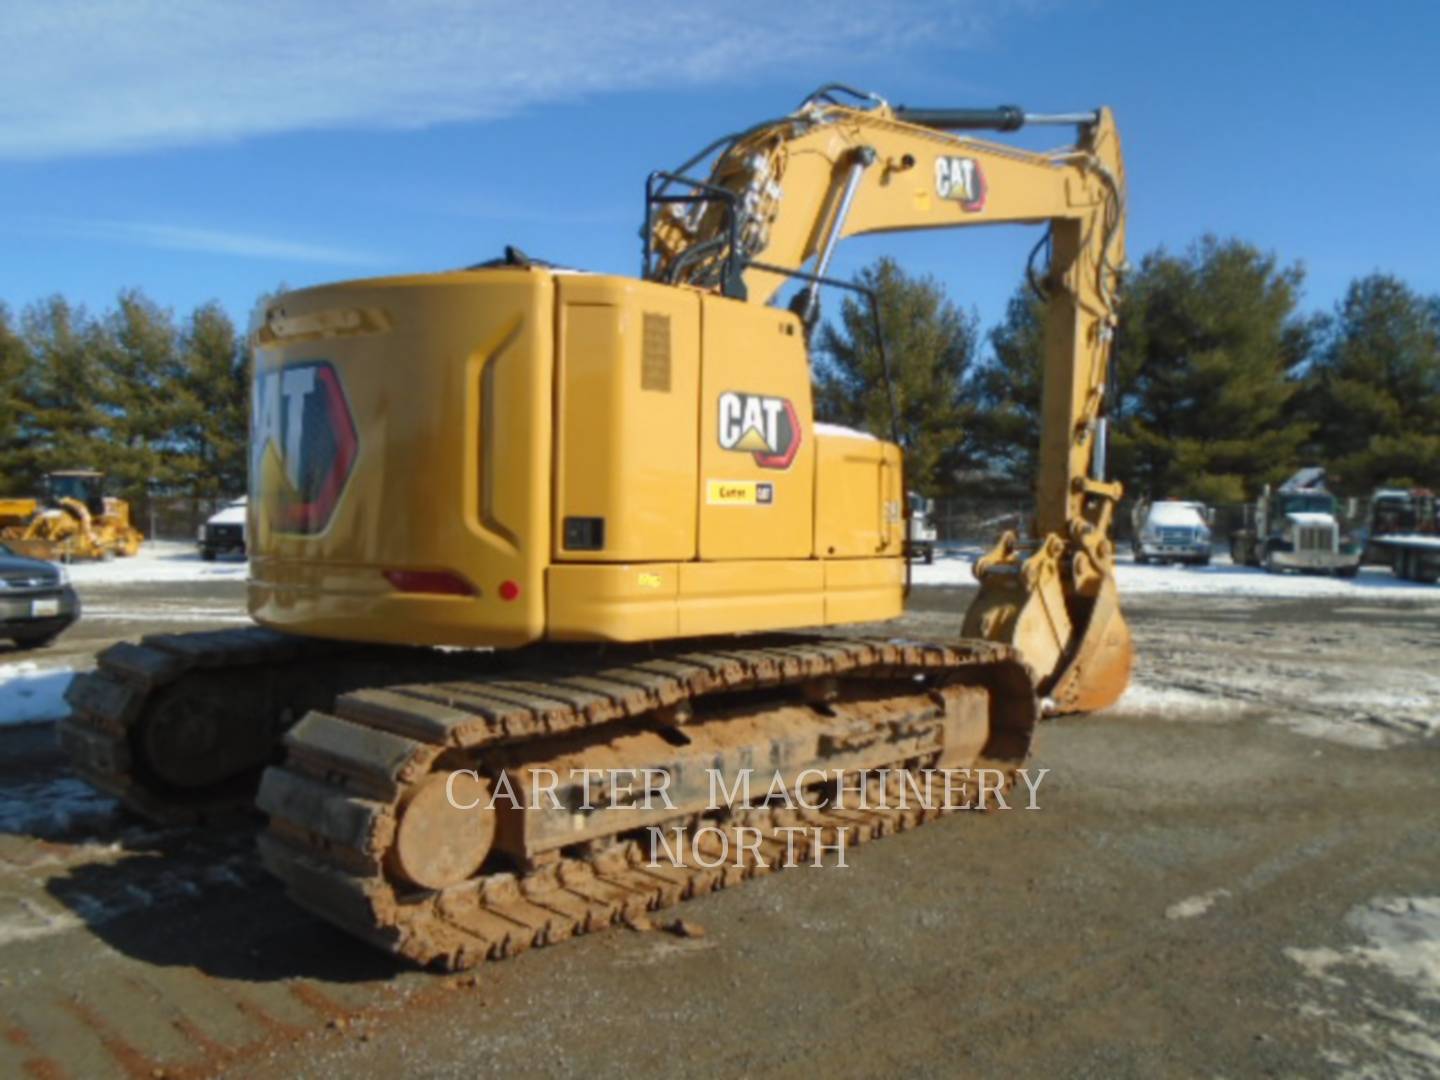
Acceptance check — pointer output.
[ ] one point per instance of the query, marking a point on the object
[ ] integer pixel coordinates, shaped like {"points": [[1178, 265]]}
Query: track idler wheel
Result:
{"points": [[446, 830]]}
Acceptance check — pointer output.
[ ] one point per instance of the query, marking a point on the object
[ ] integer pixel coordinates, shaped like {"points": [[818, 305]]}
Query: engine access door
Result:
{"points": [[757, 451]]}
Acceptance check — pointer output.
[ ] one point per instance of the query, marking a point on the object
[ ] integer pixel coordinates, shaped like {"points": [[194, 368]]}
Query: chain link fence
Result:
{"points": [[174, 517], [979, 520]]}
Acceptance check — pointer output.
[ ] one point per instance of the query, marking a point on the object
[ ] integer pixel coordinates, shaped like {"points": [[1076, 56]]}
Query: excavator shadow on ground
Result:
{"points": [[186, 896]]}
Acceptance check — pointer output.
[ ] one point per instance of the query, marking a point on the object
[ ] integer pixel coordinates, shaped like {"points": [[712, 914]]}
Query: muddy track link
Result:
{"points": [[338, 803], [177, 726]]}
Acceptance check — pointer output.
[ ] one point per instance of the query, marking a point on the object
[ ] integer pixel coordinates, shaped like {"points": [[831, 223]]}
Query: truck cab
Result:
{"points": [[1171, 530], [920, 543], [223, 532], [1297, 527]]}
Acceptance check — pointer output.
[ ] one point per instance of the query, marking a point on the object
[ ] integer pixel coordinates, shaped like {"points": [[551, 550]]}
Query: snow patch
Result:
{"points": [[840, 431], [54, 808], [1194, 906], [1150, 700], [143, 614], [1401, 940], [158, 560], [30, 694], [1221, 578]]}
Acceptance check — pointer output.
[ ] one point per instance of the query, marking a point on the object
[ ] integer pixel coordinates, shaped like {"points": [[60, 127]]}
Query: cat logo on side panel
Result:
{"points": [[763, 426]]}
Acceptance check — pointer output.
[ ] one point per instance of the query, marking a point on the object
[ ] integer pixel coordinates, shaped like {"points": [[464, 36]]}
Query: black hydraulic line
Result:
{"points": [[825, 93], [869, 294], [1035, 286]]}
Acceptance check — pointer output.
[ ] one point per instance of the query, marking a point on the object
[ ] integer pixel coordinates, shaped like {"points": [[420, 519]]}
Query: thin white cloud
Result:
{"points": [[106, 76], [214, 242]]}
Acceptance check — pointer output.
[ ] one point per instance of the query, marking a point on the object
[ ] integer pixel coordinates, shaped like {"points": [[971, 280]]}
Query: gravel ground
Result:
{"points": [[1234, 872]]}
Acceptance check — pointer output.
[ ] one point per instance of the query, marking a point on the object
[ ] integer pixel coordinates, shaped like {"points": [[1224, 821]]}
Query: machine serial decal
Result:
{"points": [[739, 493], [961, 179], [301, 422], [763, 426]]}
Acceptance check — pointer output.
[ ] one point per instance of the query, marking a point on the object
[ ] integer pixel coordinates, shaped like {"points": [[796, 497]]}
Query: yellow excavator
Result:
{"points": [[608, 497], [74, 521]]}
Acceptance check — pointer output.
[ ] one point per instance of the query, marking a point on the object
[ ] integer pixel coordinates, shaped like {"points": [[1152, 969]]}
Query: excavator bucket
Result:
{"points": [[1079, 646], [1097, 671]]}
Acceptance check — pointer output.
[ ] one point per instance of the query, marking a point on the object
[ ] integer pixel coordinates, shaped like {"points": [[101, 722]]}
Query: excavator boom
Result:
{"points": [[778, 198]]}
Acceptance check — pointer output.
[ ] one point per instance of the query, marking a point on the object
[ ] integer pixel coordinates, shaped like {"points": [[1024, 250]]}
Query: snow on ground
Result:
{"points": [[30, 694], [1402, 944], [158, 560], [1193, 907], [953, 567], [177, 561], [1150, 699], [53, 807], [166, 613]]}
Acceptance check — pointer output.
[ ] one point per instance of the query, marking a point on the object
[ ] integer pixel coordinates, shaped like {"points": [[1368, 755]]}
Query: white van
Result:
{"points": [[223, 532]]}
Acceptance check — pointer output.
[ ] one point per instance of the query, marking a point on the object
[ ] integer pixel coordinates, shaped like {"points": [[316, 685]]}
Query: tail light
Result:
{"points": [[434, 582]]}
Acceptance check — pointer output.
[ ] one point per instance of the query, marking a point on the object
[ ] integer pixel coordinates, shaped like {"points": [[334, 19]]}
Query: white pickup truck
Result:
{"points": [[922, 533], [223, 532], [1171, 530]]}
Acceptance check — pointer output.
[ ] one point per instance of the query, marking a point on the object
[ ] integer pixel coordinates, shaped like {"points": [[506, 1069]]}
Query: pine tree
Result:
{"points": [[141, 371], [18, 473], [929, 344], [1006, 390], [214, 404], [1205, 359], [68, 422], [1374, 391]]}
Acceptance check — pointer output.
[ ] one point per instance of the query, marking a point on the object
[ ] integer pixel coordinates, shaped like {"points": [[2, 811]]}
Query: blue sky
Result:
{"points": [[204, 151]]}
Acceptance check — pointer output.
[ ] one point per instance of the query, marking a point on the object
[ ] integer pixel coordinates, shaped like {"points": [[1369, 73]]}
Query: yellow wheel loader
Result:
{"points": [[74, 521], [610, 499]]}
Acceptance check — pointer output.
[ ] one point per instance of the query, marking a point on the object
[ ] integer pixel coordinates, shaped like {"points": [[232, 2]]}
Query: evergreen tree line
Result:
{"points": [[159, 405], [1220, 383]]}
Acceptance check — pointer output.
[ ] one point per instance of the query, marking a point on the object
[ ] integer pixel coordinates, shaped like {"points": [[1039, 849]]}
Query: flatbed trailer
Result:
{"points": [[1414, 557]]}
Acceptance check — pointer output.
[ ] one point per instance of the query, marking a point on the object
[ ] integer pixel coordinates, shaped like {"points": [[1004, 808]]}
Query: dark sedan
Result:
{"points": [[36, 600]]}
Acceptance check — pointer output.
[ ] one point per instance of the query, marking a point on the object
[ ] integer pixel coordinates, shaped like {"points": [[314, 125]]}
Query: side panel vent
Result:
{"points": [[655, 353]]}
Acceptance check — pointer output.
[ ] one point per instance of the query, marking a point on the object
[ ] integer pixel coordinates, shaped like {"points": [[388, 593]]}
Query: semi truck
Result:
{"points": [[1296, 527]]}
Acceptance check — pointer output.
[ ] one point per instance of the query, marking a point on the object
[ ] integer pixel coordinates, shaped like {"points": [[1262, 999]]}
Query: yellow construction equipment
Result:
{"points": [[73, 521], [618, 489]]}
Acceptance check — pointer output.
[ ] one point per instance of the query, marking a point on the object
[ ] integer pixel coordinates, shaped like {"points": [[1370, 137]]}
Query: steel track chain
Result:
{"points": [[103, 736], [335, 803]]}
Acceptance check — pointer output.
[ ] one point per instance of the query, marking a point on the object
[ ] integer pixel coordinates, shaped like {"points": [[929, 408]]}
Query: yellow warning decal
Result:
{"points": [[648, 580], [739, 493]]}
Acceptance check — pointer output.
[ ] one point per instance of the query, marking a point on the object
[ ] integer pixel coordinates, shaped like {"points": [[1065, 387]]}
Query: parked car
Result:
{"points": [[37, 603], [1171, 530], [224, 532]]}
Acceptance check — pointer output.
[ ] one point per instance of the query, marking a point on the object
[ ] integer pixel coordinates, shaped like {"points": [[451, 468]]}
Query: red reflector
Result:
{"points": [[443, 582], [509, 590]]}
